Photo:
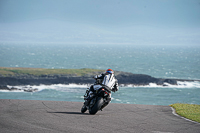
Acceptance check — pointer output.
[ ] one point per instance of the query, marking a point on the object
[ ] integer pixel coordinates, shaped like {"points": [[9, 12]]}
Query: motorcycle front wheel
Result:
{"points": [[97, 106], [83, 109]]}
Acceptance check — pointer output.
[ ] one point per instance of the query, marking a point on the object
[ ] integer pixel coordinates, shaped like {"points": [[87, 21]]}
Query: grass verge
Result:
{"points": [[189, 111], [7, 71]]}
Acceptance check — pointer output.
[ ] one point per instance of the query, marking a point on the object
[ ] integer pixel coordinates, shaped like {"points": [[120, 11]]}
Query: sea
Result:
{"points": [[160, 61]]}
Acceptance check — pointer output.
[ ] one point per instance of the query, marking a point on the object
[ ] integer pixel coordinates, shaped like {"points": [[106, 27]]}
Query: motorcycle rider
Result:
{"points": [[106, 80]]}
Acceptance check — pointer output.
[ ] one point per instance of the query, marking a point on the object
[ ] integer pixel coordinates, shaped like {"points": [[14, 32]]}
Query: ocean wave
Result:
{"points": [[78, 87], [180, 84], [36, 88], [12, 91]]}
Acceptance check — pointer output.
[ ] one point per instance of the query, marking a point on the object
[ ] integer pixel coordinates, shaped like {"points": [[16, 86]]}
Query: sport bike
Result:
{"points": [[100, 99]]}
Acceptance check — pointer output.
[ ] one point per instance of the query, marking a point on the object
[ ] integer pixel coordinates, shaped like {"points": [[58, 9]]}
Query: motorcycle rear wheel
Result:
{"points": [[97, 106]]}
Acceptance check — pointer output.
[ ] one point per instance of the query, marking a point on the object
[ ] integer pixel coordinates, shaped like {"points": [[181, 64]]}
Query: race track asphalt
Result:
{"points": [[26, 116]]}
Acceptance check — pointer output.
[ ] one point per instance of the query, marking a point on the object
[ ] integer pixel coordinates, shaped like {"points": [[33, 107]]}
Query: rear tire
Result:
{"points": [[97, 106]]}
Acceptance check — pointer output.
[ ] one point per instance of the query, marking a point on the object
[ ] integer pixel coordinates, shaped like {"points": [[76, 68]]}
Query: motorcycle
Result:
{"points": [[100, 99]]}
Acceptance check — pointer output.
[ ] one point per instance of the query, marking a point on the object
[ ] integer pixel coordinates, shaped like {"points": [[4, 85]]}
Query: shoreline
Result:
{"points": [[36, 88], [37, 76]]}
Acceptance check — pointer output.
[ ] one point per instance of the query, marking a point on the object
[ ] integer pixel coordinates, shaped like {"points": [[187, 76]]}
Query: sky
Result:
{"points": [[162, 22]]}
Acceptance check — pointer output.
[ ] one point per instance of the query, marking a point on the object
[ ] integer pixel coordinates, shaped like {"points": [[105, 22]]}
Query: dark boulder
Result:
{"points": [[170, 81], [3, 87]]}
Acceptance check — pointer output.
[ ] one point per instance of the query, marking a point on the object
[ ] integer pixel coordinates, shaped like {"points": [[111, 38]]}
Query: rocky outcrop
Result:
{"points": [[124, 78]]}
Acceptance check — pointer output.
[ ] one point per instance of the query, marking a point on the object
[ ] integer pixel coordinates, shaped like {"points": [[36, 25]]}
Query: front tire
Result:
{"points": [[97, 106], [83, 109]]}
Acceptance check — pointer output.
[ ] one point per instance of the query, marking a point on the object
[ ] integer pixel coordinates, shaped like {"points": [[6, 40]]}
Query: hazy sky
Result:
{"points": [[101, 21]]}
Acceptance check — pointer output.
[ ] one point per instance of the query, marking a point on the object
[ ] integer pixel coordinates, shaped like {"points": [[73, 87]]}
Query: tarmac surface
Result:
{"points": [[26, 116]]}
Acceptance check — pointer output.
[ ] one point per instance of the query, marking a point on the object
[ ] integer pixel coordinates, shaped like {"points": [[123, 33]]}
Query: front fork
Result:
{"points": [[86, 93]]}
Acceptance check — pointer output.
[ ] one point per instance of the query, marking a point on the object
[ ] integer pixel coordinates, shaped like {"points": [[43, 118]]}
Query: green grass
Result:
{"points": [[8, 71], [189, 111]]}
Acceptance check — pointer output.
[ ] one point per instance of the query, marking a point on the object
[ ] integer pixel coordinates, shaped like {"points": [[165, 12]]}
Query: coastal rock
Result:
{"points": [[3, 87], [170, 81], [30, 90], [124, 78], [13, 89]]}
